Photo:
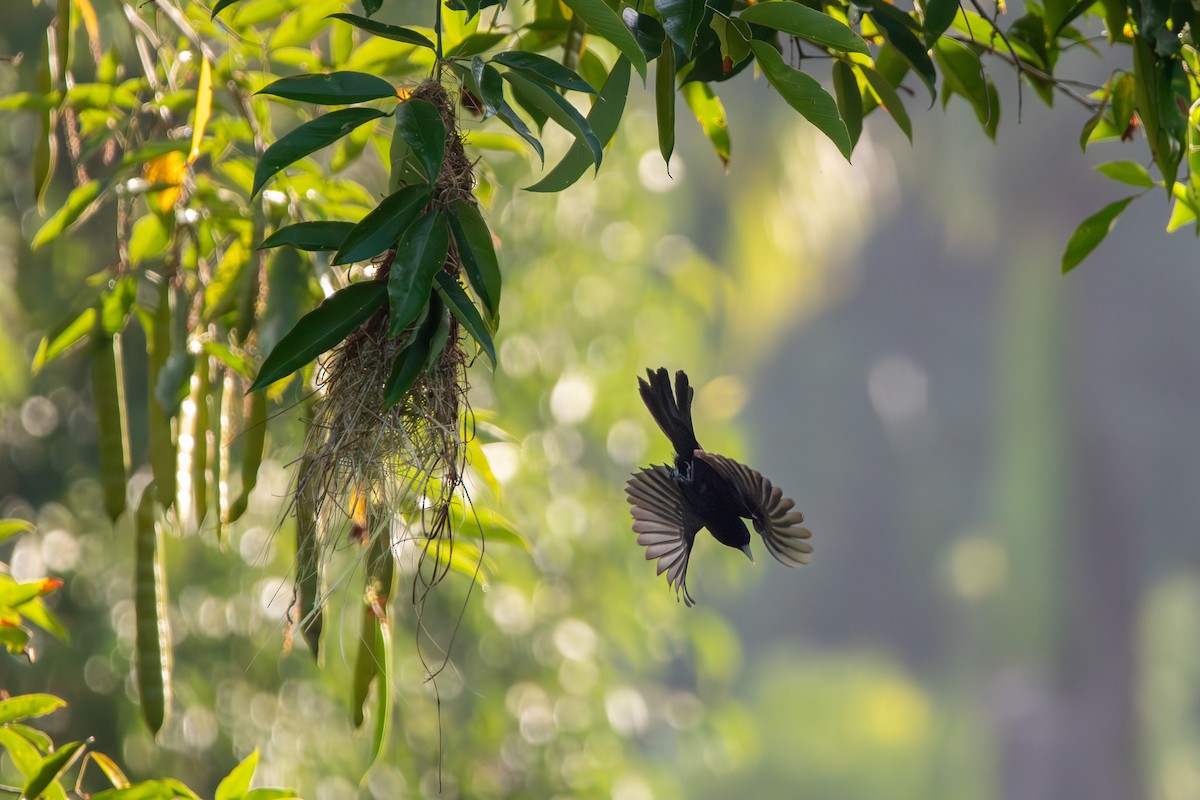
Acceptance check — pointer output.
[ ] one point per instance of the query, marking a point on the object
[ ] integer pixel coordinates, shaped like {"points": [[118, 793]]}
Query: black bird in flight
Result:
{"points": [[704, 490]]}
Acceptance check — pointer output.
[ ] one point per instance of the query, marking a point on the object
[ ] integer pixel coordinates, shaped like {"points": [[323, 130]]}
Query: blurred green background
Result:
{"points": [[999, 467]]}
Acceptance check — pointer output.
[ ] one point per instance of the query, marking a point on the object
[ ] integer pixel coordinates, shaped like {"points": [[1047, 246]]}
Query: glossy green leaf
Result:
{"points": [[603, 120], [490, 86], [681, 19], [510, 118], [606, 23], [647, 32], [308, 138], [221, 5], [543, 69], [889, 99], [710, 113], [420, 125], [664, 100], [803, 93], [1129, 172], [461, 306], [312, 236], [1091, 232], [475, 44], [898, 30], [393, 32], [333, 88], [1124, 100], [939, 15], [849, 99], [27, 706], [52, 766], [77, 202], [800, 20], [381, 229], [478, 255], [420, 254], [412, 359], [321, 329], [559, 109]]}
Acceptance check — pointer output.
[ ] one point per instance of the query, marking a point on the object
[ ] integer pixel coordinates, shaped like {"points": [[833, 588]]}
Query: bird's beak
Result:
{"points": [[749, 555]]}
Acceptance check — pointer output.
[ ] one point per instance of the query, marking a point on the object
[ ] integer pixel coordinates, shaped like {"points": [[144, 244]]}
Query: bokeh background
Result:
{"points": [[1000, 467]]}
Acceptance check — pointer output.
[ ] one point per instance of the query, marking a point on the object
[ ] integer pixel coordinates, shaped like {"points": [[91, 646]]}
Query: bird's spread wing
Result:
{"points": [[665, 525], [771, 511]]}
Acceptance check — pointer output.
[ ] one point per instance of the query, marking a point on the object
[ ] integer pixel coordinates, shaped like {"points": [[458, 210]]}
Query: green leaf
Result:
{"points": [[559, 109], [420, 254], [475, 44], [647, 32], [802, 21], [51, 348], [486, 525], [420, 125], [963, 75], [1124, 100], [509, 117], [320, 329], [606, 23], [710, 113], [412, 359], [889, 99], [939, 15], [311, 236], [308, 138], [334, 88], [490, 86], [26, 706], [76, 203], [602, 119], [664, 101], [1129, 172], [393, 32], [849, 99], [681, 19], [1184, 211], [1091, 232], [897, 28], [803, 93], [148, 239], [169, 789], [543, 69], [381, 229], [221, 6], [235, 785], [478, 255], [8, 529], [51, 768], [461, 306]]}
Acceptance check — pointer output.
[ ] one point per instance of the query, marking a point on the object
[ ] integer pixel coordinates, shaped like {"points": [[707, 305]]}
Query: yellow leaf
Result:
{"points": [[169, 168], [203, 108], [89, 21]]}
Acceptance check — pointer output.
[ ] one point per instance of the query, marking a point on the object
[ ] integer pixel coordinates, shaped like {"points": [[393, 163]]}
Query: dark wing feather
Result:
{"points": [[771, 511], [665, 525]]}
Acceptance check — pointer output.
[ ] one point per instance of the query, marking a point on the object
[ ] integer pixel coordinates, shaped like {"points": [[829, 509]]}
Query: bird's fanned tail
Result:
{"points": [[672, 411]]}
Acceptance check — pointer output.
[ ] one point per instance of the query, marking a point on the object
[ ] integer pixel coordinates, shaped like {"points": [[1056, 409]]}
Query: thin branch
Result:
{"points": [[1062, 85]]}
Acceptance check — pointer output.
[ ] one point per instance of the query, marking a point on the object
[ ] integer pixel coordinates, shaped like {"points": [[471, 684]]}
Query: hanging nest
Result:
{"points": [[394, 472]]}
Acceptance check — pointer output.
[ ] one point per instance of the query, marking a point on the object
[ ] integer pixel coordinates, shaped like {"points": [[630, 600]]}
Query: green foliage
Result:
{"points": [[179, 171]]}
